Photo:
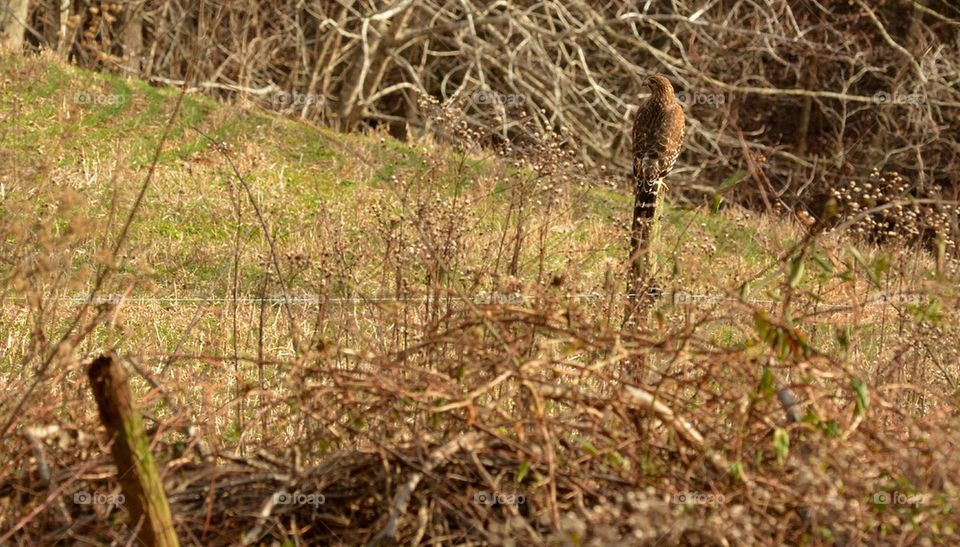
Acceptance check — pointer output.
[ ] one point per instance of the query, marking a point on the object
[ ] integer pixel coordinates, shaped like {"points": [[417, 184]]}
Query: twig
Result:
{"points": [[469, 441]]}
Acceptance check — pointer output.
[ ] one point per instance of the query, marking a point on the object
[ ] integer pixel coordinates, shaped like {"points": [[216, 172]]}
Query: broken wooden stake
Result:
{"points": [[142, 489]]}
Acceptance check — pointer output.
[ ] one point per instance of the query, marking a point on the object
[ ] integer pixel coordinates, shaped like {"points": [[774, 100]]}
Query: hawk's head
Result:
{"points": [[661, 88]]}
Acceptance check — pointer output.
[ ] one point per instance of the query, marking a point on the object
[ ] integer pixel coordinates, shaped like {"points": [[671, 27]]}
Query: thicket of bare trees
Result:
{"points": [[800, 96]]}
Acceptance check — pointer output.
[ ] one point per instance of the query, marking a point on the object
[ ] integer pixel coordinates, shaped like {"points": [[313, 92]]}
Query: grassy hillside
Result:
{"points": [[94, 136], [280, 285], [78, 147]]}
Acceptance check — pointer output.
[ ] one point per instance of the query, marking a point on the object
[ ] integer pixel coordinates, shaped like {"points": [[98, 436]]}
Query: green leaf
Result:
{"points": [[856, 255], [522, 471], [588, 446], [736, 470], [732, 181], [781, 443], [811, 417], [616, 460], [873, 270], [863, 396], [824, 264], [881, 265], [767, 384], [764, 328], [796, 272], [783, 346], [717, 201]]}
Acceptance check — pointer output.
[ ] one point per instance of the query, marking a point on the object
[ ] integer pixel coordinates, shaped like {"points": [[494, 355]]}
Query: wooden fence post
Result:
{"points": [[142, 489]]}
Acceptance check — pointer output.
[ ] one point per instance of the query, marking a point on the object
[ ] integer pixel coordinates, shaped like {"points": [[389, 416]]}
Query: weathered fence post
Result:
{"points": [[142, 489]]}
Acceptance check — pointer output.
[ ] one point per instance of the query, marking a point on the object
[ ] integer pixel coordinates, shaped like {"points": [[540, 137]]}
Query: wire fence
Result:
{"points": [[674, 297]]}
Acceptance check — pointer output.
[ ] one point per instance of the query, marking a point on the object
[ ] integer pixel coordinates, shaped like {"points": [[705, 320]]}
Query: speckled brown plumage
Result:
{"points": [[657, 132], [657, 141]]}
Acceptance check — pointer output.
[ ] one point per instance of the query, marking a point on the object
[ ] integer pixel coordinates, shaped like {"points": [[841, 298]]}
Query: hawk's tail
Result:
{"points": [[646, 198]]}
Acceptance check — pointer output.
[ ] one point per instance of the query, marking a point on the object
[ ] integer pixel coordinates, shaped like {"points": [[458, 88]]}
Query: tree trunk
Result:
{"points": [[131, 37], [13, 18]]}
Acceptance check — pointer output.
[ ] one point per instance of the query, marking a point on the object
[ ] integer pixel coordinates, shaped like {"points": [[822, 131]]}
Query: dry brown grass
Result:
{"points": [[375, 312]]}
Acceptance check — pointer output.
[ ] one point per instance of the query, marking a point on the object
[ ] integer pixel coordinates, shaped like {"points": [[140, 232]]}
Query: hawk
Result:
{"points": [[657, 141]]}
